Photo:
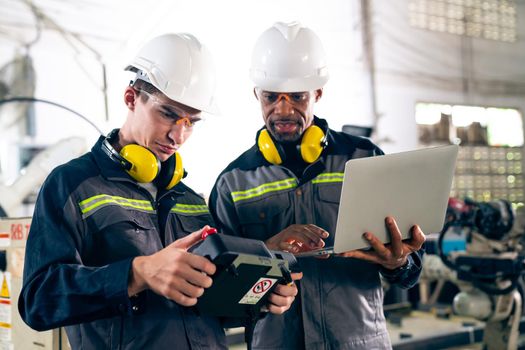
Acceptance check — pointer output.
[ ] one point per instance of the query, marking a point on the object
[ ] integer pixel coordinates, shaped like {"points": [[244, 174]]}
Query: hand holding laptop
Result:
{"points": [[296, 238], [392, 255], [412, 187]]}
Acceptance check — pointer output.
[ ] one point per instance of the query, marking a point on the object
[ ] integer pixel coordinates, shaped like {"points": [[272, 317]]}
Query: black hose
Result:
{"points": [[33, 99], [441, 253]]}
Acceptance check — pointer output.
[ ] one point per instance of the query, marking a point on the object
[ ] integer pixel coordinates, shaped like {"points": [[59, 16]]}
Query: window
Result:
{"points": [[470, 125], [490, 159], [488, 19]]}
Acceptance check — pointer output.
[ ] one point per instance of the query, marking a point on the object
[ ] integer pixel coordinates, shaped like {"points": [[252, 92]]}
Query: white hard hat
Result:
{"points": [[288, 58], [180, 67]]}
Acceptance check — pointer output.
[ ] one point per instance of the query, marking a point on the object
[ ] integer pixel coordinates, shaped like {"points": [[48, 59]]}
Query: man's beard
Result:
{"points": [[285, 137]]}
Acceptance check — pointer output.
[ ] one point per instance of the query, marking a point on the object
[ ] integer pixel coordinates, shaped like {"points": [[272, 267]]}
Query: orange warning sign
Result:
{"points": [[4, 292]]}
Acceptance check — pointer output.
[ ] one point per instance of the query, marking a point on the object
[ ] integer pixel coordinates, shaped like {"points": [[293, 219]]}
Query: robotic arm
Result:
{"points": [[35, 173], [488, 272]]}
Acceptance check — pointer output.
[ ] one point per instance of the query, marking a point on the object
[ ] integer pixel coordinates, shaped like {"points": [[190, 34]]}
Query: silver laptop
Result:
{"points": [[412, 186]]}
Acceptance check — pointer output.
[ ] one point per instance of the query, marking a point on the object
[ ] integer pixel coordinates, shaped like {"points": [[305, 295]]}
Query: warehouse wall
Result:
{"points": [[415, 65], [411, 65]]}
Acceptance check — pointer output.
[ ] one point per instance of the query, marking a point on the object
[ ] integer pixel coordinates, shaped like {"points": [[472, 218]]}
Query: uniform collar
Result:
{"points": [[108, 168]]}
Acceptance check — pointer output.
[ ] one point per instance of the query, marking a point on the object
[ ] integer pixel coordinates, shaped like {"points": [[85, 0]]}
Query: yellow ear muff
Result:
{"points": [[312, 143], [145, 166], [178, 172], [267, 147]]}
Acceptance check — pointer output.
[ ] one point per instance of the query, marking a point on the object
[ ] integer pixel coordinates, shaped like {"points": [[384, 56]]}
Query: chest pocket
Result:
{"points": [[118, 233], [265, 217], [188, 218], [327, 207]]}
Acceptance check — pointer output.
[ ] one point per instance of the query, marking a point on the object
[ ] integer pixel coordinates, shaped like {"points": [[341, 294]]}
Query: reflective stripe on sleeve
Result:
{"points": [[197, 209]]}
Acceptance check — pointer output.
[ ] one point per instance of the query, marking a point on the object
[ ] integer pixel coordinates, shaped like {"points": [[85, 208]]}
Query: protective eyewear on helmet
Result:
{"points": [[294, 98], [169, 111]]}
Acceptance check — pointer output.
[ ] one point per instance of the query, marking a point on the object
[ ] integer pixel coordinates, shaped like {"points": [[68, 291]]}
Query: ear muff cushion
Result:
{"points": [[166, 171], [312, 144], [175, 171], [145, 166], [268, 148]]}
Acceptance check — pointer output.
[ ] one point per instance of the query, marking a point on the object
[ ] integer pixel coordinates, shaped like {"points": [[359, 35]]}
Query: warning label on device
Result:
{"points": [[257, 291]]}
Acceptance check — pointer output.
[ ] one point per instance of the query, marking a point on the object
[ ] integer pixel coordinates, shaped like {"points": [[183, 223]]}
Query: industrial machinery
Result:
{"points": [[488, 272], [39, 166], [11, 196]]}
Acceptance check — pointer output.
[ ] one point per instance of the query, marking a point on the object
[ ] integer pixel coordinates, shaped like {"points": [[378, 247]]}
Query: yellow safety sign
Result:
{"points": [[4, 293]]}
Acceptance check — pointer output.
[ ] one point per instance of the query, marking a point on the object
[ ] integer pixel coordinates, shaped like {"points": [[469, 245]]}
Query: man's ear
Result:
{"points": [[318, 94], [255, 93], [130, 96]]}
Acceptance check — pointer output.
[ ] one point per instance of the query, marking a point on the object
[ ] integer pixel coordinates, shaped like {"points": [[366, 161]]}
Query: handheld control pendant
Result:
{"points": [[247, 272]]}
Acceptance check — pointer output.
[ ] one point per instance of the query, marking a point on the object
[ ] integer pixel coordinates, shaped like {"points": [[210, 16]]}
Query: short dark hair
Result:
{"points": [[141, 85]]}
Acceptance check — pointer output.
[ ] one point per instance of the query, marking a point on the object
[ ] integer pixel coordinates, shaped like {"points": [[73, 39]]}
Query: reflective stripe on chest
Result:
{"points": [[328, 177], [92, 204], [282, 185]]}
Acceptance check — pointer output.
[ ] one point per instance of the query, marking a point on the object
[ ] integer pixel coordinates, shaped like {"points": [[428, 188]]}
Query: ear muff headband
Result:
{"points": [[312, 143], [267, 147], [114, 155], [145, 166]]}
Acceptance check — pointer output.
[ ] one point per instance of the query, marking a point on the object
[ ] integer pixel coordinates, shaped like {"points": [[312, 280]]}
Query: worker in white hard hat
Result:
{"points": [[285, 191], [107, 254]]}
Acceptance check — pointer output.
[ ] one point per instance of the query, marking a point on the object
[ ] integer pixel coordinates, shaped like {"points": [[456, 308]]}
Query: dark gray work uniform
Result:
{"points": [[340, 305], [91, 219]]}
